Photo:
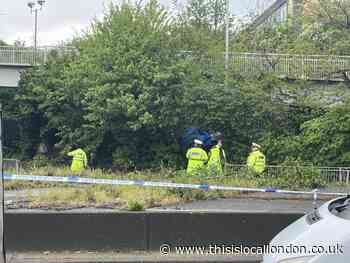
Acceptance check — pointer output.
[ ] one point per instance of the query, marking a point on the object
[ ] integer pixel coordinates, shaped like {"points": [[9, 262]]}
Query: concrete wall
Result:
{"points": [[138, 231], [10, 75]]}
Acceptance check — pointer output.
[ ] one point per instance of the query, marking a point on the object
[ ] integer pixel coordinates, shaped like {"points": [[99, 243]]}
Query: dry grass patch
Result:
{"points": [[65, 195], [125, 197]]}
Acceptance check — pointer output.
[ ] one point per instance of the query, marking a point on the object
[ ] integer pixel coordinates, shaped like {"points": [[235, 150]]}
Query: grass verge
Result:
{"points": [[133, 198]]}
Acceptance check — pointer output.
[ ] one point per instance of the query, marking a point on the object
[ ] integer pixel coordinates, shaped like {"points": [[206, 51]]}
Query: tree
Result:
{"points": [[200, 27], [129, 90], [325, 140], [118, 96]]}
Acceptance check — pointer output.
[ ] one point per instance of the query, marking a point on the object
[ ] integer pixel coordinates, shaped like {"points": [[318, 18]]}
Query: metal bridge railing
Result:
{"points": [[308, 67], [339, 175], [293, 66], [21, 56], [27, 56]]}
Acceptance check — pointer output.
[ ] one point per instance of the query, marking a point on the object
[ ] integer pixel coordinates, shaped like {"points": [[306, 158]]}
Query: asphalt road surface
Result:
{"points": [[267, 204], [109, 257], [246, 205]]}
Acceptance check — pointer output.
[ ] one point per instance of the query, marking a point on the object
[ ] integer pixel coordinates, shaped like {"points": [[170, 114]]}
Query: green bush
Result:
{"points": [[40, 160], [295, 175], [135, 206]]}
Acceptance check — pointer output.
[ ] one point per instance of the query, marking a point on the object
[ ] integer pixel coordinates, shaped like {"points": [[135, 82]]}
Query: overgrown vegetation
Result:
{"points": [[134, 198], [129, 91]]}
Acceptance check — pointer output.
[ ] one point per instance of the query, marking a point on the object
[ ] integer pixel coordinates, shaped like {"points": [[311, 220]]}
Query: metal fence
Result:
{"points": [[307, 67], [12, 165], [293, 66], [20, 56], [27, 56], [336, 174], [340, 175]]}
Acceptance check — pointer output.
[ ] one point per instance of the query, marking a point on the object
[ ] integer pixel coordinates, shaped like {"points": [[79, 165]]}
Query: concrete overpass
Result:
{"points": [[14, 60], [279, 11], [10, 75]]}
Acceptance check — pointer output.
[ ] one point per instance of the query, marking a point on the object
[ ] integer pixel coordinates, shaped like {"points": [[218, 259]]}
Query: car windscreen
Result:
{"points": [[341, 207]]}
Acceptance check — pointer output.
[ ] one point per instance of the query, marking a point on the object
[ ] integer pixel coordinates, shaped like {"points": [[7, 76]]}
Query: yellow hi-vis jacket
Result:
{"points": [[214, 163], [197, 159], [256, 161], [79, 161]]}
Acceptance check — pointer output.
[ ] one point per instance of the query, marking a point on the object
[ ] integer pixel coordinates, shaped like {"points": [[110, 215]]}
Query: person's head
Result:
{"points": [[197, 143], [75, 145], [217, 136], [219, 143], [256, 147]]}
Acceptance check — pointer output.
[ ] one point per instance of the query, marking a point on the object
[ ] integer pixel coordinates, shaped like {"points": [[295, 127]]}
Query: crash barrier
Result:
{"points": [[59, 231], [329, 174], [141, 183]]}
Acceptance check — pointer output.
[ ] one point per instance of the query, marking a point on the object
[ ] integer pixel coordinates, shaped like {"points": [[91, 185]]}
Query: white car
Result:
{"points": [[322, 236]]}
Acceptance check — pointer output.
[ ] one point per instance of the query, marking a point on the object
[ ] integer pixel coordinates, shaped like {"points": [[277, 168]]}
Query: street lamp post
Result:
{"points": [[35, 7], [227, 18], [227, 40], [2, 201]]}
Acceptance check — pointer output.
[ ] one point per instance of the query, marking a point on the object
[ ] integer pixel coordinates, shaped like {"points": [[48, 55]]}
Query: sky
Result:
{"points": [[60, 20]]}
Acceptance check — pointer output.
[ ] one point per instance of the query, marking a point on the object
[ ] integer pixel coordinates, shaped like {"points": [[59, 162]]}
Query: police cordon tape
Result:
{"points": [[141, 183]]}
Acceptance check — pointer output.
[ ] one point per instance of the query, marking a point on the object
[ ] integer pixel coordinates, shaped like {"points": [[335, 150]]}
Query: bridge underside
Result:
{"points": [[10, 75], [275, 11]]}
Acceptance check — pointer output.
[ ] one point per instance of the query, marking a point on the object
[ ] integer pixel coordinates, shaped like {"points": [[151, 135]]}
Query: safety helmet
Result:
{"points": [[196, 141], [255, 145]]}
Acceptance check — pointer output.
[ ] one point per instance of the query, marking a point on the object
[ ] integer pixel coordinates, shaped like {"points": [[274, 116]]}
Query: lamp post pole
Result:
{"points": [[35, 31], [227, 18], [35, 7], [2, 198], [2, 202]]}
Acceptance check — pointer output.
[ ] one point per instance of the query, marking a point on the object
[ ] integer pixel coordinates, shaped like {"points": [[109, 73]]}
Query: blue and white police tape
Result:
{"points": [[205, 187]]}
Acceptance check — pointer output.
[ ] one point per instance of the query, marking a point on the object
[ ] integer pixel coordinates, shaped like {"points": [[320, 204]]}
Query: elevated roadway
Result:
{"points": [[15, 60], [276, 12]]}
